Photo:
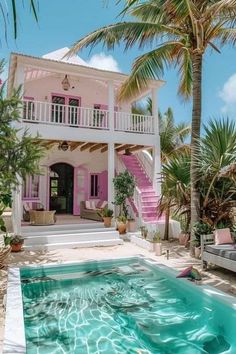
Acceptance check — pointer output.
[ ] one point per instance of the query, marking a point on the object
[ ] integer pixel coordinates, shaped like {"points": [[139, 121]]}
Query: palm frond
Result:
{"points": [[149, 66]]}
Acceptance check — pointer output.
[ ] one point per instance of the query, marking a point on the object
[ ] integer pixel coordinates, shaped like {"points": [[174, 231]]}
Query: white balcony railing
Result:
{"points": [[64, 115], [134, 123]]}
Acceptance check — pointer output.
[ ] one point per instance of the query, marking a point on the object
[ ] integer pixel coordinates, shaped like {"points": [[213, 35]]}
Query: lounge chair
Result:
{"points": [[221, 255]]}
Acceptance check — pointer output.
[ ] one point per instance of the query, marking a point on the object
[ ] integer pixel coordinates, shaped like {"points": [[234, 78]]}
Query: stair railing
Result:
{"points": [[146, 162]]}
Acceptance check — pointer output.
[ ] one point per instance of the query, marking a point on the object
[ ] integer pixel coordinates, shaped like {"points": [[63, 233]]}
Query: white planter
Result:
{"points": [[142, 243], [158, 249]]}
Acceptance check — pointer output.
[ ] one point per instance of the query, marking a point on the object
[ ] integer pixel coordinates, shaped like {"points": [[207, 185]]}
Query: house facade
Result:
{"points": [[72, 109]]}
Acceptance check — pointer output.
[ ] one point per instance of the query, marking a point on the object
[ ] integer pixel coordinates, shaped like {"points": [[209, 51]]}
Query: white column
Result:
{"points": [[111, 104], [17, 208], [111, 174], [157, 147]]}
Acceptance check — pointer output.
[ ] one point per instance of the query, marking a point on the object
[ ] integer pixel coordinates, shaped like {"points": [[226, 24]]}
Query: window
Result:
{"points": [[94, 188], [54, 187], [31, 187]]}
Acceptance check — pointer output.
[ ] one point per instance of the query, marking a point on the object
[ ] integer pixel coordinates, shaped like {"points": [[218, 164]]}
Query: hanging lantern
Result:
{"points": [[65, 83], [63, 146]]}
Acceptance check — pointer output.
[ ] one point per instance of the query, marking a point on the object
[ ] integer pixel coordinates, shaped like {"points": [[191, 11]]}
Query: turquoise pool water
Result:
{"points": [[123, 306]]}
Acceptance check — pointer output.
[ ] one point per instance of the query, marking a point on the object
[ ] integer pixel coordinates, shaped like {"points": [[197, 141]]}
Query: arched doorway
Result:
{"points": [[61, 185]]}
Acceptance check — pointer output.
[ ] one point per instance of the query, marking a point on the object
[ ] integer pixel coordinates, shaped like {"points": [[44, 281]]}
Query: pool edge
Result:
{"points": [[14, 334]]}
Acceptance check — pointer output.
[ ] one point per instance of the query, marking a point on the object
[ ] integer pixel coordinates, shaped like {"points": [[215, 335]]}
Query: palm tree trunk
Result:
{"points": [[167, 225], [196, 126]]}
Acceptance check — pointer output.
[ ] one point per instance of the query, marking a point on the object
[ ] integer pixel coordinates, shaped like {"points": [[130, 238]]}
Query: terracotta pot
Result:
{"points": [[122, 228], [197, 252], [17, 247], [158, 248], [183, 238], [131, 226], [107, 221]]}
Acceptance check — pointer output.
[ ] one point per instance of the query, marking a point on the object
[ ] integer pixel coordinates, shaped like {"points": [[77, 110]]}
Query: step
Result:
{"points": [[149, 204], [59, 227], [67, 238], [149, 214], [81, 244], [148, 208], [42, 232]]}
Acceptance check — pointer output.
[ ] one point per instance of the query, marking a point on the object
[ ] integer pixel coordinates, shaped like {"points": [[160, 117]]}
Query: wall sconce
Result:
{"points": [[63, 146], [65, 83]]}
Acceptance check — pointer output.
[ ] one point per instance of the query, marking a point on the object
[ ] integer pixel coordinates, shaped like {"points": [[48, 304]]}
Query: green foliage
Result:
{"points": [[216, 150], [17, 239], [106, 213], [124, 185], [19, 154], [201, 228], [172, 39], [122, 219], [9, 9]]}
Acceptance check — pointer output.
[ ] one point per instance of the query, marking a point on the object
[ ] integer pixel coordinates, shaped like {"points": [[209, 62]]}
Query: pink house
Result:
{"points": [[73, 108]]}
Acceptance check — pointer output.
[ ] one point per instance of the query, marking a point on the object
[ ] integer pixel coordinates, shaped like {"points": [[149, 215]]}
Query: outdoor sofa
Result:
{"points": [[91, 213], [222, 255]]}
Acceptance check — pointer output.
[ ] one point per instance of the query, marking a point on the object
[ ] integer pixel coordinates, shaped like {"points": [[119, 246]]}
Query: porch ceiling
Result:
{"points": [[92, 146]]}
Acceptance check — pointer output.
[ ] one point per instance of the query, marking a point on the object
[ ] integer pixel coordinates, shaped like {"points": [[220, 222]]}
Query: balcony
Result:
{"points": [[83, 117]]}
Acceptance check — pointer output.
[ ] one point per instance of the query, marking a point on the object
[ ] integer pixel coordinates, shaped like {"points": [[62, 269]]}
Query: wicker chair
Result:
{"points": [[27, 206], [42, 217], [4, 253]]}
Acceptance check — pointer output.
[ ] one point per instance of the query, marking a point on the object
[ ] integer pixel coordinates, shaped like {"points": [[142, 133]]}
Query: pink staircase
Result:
{"points": [[149, 198]]}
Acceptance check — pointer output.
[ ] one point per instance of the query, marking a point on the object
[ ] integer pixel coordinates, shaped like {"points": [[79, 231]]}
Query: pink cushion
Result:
{"points": [[185, 273], [222, 236]]}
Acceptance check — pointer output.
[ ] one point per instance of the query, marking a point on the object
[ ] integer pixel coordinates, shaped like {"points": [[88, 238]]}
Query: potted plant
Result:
{"points": [[131, 223], [124, 185], [200, 228], [16, 243], [144, 232], [122, 224], [157, 243], [106, 214]]}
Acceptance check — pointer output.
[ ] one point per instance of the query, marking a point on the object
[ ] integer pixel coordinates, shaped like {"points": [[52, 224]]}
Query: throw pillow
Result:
{"points": [[222, 236], [87, 204], [185, 273]]}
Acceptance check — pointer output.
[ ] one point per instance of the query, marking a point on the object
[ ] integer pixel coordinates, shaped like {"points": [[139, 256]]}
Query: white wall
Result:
{"points": [[91, 91]]}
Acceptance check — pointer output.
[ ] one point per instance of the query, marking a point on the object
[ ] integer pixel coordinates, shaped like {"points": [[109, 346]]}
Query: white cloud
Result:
{"points": [[103, 61], [228, 95]]}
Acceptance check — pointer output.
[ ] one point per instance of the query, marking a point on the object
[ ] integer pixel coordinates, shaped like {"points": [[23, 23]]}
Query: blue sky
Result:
{"points": [[62, 22]]}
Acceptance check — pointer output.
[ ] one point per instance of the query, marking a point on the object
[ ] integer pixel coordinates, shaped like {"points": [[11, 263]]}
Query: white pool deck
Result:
{"points": [[179, 258]]}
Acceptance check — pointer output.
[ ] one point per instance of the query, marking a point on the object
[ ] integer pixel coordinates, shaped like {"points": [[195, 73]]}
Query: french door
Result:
{"points": [[65, 109]]}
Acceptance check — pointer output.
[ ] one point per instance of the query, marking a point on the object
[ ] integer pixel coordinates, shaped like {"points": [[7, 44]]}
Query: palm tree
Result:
{"points": [[175, 194], [216, 161], [13, 12], [217, 151], [178, 32]]}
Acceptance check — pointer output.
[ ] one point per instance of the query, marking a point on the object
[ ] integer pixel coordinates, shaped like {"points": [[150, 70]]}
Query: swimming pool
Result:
{"points": [[123, 306]]}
